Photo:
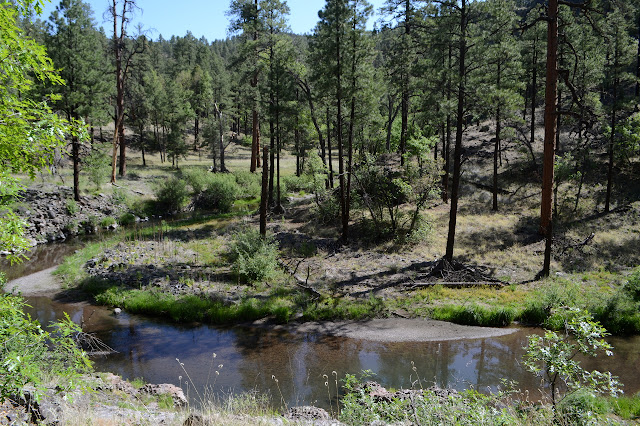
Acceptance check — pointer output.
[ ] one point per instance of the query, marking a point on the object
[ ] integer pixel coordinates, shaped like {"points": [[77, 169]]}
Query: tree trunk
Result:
{"points": [[496, 148], [264, 192], [344, 214], [75, 149], [534, 91], [329, 150], [459, 129], [550, 130]]}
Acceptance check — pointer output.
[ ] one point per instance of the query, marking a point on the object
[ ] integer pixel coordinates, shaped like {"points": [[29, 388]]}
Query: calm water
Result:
{"points": [[247, 358]]}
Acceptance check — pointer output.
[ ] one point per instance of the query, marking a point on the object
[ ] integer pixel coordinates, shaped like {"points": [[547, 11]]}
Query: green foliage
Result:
{"points": [[213, 191], [581, 408], [474, 315], [385, 188], [171, 194], [254, 258], [71, 206], [358, 407], [249, 184], [30, 131], [552, 357], [107, 221], [120, 197], [96, 167], [127, 219], [632, 286], [31, 354]]}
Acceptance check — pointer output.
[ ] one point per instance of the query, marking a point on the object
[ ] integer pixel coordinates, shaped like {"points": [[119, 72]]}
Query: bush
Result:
{"points": [[219, 194], [581, 408], [295, 183], [119, 196], [107, 221], [632, 286], [72, 207], [127, 219], [96, 167], [171, 194], [213, 191], [254, 258], [30, 354], [249, 184]]}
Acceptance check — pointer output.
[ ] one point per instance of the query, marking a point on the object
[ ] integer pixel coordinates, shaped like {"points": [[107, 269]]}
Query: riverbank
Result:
{"points": [[45, 283]]}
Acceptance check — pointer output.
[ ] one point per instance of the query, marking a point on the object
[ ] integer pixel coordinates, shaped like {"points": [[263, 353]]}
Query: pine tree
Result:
{"points": [[75, 49]]}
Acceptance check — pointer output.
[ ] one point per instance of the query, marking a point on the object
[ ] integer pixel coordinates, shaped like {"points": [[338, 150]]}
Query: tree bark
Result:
{"points": [[264, 192], [453, 213], [550, 130]]}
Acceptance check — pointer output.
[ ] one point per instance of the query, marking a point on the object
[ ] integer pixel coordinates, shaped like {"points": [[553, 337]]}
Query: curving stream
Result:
{"points": [[249, 358]]}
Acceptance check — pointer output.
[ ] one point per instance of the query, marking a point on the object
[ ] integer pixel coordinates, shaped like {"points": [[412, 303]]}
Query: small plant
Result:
{"points": [[107, 222], [96, 167], [119, 196], [254, 258], [127, 219], [72, 207], [552, 357]]}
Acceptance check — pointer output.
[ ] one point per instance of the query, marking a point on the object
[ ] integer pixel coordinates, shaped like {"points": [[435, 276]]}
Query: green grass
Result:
{"points": [[474, 315]]}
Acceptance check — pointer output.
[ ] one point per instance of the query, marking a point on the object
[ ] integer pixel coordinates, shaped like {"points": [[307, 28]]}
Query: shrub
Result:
{"points": [[119, 196], [293, 183], [30, 354], [216, 191], [249, 184], [127, 219], [254, 258], [107, 221], [72, 207], [96, 167], [171, 194], [552, 357], [219, 194], [632, 286]]}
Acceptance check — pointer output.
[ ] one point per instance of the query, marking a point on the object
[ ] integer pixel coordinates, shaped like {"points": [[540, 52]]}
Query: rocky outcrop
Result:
{"points": [[52, 214]]}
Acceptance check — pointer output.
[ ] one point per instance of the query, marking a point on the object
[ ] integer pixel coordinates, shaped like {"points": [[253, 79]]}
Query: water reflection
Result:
{"points": [[249, 358]]}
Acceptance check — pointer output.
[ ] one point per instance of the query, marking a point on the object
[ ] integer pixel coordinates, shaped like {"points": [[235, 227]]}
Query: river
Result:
{"points": [[213, 361]]}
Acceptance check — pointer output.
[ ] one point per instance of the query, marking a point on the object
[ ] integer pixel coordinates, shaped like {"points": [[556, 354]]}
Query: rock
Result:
{"points": [[176, 393], [195, 420], [307, 413]]}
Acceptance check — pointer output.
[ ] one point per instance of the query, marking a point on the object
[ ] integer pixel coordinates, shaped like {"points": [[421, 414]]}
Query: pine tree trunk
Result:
{"points": [[264, 192], [453, 213], [550, 130]]}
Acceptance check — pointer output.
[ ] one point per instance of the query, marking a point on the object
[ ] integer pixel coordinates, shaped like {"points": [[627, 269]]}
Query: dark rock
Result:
{"points": [[176, 393], [307, 413]]}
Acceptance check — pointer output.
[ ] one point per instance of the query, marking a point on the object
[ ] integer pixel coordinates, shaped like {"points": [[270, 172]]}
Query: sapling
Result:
{"points": [[553, 357]]}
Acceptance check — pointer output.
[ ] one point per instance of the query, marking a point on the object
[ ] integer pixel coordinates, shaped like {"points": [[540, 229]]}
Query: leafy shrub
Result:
{"points": [[96, 167], [171, 194], [72, 207], [581, 408], [127, 219], [30, 354], [216, 191], [249, 184], [632, 286], [119, 196], [552, 357], [107, 221], [219, 194], [293, 183], [254, 258]]}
